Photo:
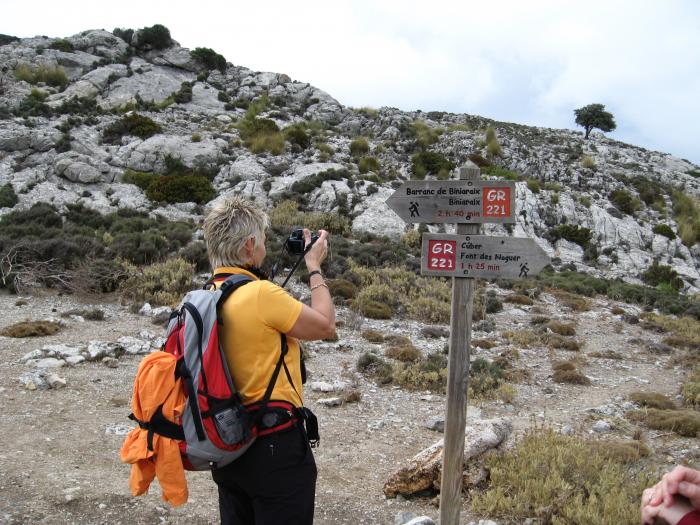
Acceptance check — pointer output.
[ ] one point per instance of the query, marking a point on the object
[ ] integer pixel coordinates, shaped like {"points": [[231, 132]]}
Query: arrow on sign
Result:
{"points": [[481, 256], [455, 201]]}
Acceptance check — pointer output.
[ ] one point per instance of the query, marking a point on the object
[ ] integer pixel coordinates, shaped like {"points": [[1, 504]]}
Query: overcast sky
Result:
{"points": [[524, 61]]}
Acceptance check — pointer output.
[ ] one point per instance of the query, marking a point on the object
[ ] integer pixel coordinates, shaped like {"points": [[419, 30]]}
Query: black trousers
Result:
{"points": [[273, 483]]}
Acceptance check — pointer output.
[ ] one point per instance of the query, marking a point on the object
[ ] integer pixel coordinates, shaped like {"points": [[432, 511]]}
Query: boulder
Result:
{"points": [[425, 469], [78, 171]]}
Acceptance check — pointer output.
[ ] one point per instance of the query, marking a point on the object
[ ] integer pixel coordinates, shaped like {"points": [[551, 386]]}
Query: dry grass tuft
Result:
{"points": [[576, 302], [539, 319], [352, 396], [691, 388], [94, 314], [563, 343], [652, 400], [621, 451], [585, 483], [683, 422], [486, 344], [567, 372], [406, 353], [429, 373], [519, 299], [522, 338], [397, 340], [607, 354], [373, 336], [561, 328], [374, 367], [685, 328], [31, 329], [616, 310]]}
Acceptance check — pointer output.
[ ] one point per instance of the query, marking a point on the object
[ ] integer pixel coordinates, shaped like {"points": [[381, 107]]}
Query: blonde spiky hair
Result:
{"points": [[228, 225]]}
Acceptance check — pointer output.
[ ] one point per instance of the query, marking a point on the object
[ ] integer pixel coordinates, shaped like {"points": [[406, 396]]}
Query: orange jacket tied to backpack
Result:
{"points": [[156, 389]]}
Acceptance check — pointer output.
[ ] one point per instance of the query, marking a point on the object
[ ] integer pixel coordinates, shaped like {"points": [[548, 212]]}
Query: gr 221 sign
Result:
{"points": [[455, 201], [481, 256]]}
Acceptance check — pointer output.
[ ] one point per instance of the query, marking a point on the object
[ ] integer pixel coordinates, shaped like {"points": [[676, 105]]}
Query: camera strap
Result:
{"points": [[296, 264]]}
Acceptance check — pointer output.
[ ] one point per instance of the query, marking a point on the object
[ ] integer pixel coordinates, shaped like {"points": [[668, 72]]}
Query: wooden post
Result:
{"points": [[457, 380]]}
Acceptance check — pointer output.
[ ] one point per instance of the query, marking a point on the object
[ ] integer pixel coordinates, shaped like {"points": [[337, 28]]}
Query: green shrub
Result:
{"points": [[184, 95], [624, 201], [181, 188], [575, 234], [156, 36], [342, 288], [124, 34], [52, 76], [375, 309], [8, 197], [405, 353], [286, 214], [196, 253], [33, 105], [368, 164], [132, 124], [687, 214], [425, 135], [373, 336], [375, 367], [484, 378], [209, 58], [261, 134], [159, 284], [296, 134], [62, 45], [429, 162], [7, 39], [139, 178], [429, 373], [586, 482], [533, 185], [691, 388], [501, 173], [359, 146], [659, 274], [683, 422], [665, 230]]}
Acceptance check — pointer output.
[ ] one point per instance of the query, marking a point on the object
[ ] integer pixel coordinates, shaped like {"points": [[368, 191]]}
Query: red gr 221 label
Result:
{"points": [[442, 255], [496, 202]]}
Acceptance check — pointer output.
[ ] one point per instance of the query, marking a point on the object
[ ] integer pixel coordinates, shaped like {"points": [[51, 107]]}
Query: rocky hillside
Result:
{"points": [[88, 118]]}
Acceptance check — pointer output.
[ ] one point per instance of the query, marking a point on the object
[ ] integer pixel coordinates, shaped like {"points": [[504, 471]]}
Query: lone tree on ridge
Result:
{"points": [[594, 116]]}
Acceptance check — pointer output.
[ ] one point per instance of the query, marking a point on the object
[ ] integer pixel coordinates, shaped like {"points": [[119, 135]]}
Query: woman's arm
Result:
{"points": [[318, 320]]}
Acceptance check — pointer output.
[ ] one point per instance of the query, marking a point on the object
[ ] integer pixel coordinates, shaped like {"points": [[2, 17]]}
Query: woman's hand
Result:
{"points": [[317, 253], [681, 481]]}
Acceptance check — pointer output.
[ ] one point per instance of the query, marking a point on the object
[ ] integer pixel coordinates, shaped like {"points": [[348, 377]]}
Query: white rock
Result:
{"points": [[601, 426], [50, 362], [321, 386], [330, 401], [55, 381], [74, 360], [34, 354], [146, 309]]}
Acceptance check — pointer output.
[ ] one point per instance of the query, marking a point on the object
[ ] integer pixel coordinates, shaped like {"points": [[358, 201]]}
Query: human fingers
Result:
{"points": [[681, 473], [690, 491], [660, 493], [648, 512]]}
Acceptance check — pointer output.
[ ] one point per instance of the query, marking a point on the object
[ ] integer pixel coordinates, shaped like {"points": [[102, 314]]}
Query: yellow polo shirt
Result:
{"points": [[254, 316]]}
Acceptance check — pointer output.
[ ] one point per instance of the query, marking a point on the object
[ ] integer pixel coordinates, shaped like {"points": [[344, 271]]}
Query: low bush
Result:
{"points": [[560, 328], [429, 373], [342, 288], [375, 309], [587, 162], [585, 484], [209, 58], [181, 188], [286, 214], [501, 173], [493, 305], [624, 201], [522, 338], [575, 234], [132, 124], [533, 185], [373, 336], [93, 314], [123, 33], [7, 39], [52, 76], [485, 378], [31, 329], [34, 105], [607, 354], [156, 36], [404, 353], [159, 284], [429, 163], [562, 343], [359, 147], [8, 197], [374, 367], [483, 343], [665, 230], [62, 45], [367, 164], [573, 301], [424, 134], [660, 274], [686, 212], [573, 377], [691, 388], [683, 422], [296, 135], [184, 94], [519, 299], [652, 400]]}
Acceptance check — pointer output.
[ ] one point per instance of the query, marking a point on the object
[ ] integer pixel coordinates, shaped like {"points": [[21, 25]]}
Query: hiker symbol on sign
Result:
{"points": [[523, 270], [413, 208]]}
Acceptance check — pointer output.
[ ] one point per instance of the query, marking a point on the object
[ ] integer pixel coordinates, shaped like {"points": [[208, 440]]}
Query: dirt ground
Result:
{"points": [[60, 459]]}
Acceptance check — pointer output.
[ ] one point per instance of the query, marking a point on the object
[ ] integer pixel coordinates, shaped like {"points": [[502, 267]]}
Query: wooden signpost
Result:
{"points": [[464, 256]]}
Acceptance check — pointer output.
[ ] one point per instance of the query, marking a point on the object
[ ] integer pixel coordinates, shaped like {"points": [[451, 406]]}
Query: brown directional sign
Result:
{"points": [[455, 201], [481, 256]]}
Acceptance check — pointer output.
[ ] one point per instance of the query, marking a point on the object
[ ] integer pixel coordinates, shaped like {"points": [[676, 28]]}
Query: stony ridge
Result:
{"points": [[42, 169]]}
